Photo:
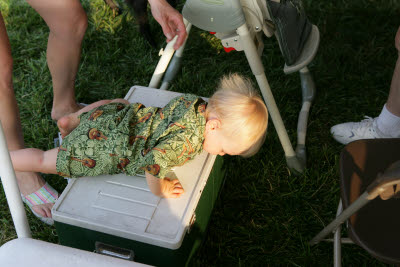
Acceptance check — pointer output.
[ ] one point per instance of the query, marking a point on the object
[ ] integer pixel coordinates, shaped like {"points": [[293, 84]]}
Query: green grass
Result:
{"points": [[265, 216]]}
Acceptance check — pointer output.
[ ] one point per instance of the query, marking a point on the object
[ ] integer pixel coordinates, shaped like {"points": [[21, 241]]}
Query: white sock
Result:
{"points": [[388, 123]]}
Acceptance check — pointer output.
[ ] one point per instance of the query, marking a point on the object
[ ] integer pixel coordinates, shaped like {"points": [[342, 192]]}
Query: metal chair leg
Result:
{"points": [[337, 244], [350, 210]]}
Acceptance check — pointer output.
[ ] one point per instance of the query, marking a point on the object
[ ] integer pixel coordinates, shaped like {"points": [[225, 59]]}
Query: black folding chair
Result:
{"points": [[368, 169]]}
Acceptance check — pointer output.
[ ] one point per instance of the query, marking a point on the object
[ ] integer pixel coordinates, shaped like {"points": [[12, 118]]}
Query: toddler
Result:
{"points": [[110, 137]]}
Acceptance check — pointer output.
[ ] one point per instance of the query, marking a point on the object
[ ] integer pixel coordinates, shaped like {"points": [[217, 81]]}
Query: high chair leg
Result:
{"points": [[167, 54], [258, 71], [175, 65], [308, 93]]}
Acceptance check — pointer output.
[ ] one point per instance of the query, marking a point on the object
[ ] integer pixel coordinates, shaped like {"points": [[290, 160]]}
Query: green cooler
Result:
{"points": [[117, 215]]}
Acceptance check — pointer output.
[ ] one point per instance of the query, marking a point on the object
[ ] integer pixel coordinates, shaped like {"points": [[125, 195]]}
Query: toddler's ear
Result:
{"points": [[213, 124]]}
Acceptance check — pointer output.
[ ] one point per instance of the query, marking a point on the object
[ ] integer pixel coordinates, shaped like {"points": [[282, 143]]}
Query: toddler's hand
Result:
{"points": [[171, 188]]}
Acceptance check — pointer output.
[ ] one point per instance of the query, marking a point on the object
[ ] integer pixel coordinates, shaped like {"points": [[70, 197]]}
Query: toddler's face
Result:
{"points": [[216, 143]]}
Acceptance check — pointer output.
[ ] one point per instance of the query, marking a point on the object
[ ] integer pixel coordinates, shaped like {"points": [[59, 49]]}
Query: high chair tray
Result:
{"points": [[120, 211]]}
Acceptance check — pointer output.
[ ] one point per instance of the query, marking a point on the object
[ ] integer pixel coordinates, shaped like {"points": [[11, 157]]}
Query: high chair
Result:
{"points": [[369, 185], [240, 26]]}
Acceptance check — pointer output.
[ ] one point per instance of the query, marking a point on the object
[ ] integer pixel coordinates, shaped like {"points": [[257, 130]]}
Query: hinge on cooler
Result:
{"points": [[192, 220]]}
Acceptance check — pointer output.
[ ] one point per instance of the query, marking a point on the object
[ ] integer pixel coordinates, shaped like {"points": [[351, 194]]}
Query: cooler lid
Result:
{"points": [[123, 205]]}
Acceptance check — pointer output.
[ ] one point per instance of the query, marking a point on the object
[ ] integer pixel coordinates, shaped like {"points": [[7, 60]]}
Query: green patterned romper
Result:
{"points": [[116, 138]]}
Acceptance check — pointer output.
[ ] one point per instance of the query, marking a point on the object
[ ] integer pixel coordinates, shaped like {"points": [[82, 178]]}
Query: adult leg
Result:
{"points": [[67, 22], [388, 121], [387, 124], [393, 102], [28, 182]]}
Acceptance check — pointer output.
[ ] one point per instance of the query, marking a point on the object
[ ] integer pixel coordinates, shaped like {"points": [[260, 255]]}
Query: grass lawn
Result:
{"points": [[265, 216]]}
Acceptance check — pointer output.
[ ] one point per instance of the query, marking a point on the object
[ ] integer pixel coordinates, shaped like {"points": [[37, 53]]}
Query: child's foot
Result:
{"points": [[67, 124], [58, 112]]}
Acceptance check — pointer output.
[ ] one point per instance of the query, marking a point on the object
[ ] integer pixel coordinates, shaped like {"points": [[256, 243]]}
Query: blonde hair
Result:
{"points": [[242, 112]]}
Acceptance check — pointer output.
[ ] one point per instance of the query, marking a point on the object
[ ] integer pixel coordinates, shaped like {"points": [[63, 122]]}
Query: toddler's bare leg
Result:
{"points": [[34, 160], [120, 100], [69, 122]]}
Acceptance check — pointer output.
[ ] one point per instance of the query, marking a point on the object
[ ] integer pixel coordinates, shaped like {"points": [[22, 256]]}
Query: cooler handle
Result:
{"points": [[113, 251]]}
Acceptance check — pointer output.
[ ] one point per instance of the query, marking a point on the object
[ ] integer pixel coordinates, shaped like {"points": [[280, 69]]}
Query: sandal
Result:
{"points": [[46, 194]]}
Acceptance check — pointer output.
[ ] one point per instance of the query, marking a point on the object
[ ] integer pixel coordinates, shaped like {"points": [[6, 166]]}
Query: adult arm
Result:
{"points": [[171, 21]]}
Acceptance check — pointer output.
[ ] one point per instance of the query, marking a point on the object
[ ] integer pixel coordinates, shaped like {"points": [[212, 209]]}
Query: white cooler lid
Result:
{"points": [[123, 205]]}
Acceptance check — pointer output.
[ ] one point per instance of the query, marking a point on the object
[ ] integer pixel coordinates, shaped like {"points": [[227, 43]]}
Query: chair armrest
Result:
{"points": [[387, 184]]}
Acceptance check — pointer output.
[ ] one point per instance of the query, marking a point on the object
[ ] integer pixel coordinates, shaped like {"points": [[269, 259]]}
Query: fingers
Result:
{"points": [[176, 181], [178, 190], [174, 190], [179, 28], [181, 39], [176, 193], [171, 22], [168, 32]]}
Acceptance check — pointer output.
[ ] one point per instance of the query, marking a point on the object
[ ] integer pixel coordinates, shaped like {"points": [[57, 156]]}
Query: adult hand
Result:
{"points": [[171, 21]]}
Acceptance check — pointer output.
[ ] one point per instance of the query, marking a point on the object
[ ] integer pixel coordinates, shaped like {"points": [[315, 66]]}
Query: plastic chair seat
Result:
{"points": [[36, 253]]}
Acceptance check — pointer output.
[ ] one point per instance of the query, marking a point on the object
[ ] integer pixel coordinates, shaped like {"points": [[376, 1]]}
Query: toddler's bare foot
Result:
{"points": [[58, 112], [67, 124]]}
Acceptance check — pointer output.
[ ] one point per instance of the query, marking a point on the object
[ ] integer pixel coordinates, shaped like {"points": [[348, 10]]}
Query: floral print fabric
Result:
{"points": [[118, 138]]}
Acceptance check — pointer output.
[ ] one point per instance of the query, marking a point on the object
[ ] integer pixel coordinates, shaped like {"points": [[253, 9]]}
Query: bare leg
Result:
{"points": [[28, 182], [32, 159], [393, 102], [67, 22], [9, 114], [68, 123]]}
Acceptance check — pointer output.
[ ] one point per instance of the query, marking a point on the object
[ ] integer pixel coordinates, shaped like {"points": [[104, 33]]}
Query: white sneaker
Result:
{"points": [[351, 131]]}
